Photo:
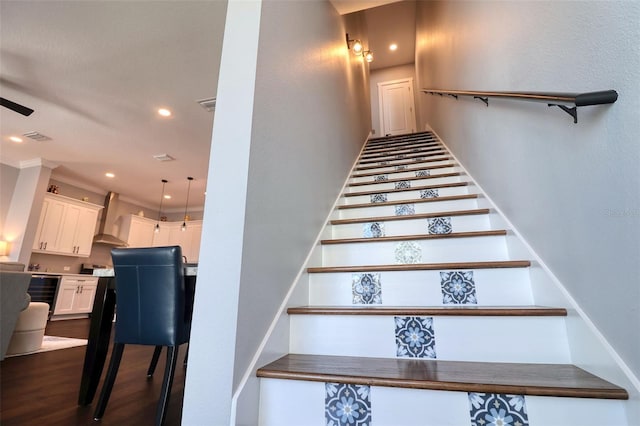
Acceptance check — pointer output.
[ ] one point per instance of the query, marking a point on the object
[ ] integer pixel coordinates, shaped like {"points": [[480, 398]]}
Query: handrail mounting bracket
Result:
{"points": [[571, 111], [483, 99]]}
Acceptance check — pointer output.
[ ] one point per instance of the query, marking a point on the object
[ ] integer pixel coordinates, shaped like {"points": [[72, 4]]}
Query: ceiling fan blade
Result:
{"points": [[20, 109]]}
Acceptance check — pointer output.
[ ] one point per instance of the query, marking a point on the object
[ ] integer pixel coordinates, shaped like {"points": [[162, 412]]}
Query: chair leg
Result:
{"points": [[116, 356], [186, 356], [165, 393], [154, 361]]}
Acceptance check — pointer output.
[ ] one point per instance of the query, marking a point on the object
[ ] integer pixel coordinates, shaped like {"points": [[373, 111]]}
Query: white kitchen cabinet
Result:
{"points": [[138, 231], [75, 295], [66, 226]]}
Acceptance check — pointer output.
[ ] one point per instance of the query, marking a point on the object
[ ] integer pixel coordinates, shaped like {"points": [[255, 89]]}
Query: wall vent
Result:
{"points": [[163, 157], [37, 136], [208, 104]]}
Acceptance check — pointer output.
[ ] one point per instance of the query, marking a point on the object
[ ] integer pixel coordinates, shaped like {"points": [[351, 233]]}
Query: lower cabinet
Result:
{"points": [[75, 295]]}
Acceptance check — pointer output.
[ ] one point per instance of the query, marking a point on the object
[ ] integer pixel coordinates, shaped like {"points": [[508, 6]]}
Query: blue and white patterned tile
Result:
{"points": [[440, 225], [458, 288], [400, 168], [415, 337], [489, 409], [366, 289], [423, 173], [429, 193], [347, 405], [400, 156], [404, 184], [373, 230], [381, 178], [408, 252], [418, 159], [405, 209], [383, 163], [378, 198]]}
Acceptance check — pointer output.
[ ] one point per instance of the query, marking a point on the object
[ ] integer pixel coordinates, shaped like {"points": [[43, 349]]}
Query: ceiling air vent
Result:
{"points": [[163, 157], [208, 104], [37, 136]]}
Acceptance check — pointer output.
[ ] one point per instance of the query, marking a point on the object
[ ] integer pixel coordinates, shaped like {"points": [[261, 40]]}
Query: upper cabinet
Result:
{"points": [[66, 226], [138, 231]]}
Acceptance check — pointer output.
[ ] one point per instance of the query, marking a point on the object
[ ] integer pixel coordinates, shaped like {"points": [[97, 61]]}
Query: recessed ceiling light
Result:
{"points": [[164, 112], [15, 139], [109, 175], [393, 46], [167, 197]]}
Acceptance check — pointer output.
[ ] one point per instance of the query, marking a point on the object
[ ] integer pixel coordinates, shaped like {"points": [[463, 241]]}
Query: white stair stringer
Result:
{"points": [[362, 295]]}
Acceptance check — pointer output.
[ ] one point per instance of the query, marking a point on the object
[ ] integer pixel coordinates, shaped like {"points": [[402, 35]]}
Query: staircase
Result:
{"points": [[419, 316]]}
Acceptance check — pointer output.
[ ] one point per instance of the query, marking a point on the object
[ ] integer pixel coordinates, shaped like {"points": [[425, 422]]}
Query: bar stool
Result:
{"points": [[150, 310]]}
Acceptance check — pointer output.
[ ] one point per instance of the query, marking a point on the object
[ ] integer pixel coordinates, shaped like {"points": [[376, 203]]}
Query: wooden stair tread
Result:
{"points": [[401, 147], [418, 169], [404, 163], [410, 201], [562, 380], [377, 156], [408, 217], [413, 237], [374, 182], [423, 266], [415, 188], [457, 310]]}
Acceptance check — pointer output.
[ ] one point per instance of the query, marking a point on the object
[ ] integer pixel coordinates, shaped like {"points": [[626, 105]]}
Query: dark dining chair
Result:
{"points": [[150, 310]]}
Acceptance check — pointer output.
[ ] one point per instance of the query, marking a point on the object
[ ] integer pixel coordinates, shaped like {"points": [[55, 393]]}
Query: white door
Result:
{"points": [[397, 107]]}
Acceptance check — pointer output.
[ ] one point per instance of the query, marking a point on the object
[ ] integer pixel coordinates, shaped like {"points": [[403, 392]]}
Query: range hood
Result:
{"points": [[109, 216]]}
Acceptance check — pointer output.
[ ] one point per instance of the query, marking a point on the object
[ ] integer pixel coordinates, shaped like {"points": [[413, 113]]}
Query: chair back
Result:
{"points": [[150, 296]]}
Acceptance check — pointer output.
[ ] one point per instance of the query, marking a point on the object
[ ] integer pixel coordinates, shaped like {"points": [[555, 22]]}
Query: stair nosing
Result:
{"points": [[337, 222], [433, 153], [560, 380], [369, 174], [457, 310], [425, 149], [401, 147], [494, 264], [409, 201], [416, 237]]}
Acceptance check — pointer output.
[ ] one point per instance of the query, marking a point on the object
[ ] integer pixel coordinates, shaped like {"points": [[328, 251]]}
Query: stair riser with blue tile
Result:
{"points": [[469, 249], [403, 172], [412, 193], [430, 206], [387, 186], [300, 403], [491, 287], [476, 222], [450, 338]]}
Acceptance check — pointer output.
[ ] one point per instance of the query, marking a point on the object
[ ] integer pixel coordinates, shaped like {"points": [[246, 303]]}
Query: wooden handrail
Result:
{"points": [[561, 100]]}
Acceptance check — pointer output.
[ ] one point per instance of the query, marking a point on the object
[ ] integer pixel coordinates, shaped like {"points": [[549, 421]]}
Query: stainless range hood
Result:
{"points": [[109, 216]]}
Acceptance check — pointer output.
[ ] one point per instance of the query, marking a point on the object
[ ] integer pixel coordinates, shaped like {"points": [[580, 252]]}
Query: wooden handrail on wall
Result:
{"points": [[563, 101]]}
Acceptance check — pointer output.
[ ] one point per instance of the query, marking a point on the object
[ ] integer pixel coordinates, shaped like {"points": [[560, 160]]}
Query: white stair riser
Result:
{"points": [[401, 148], [493, 287], [299, 403], [409, 173], [401, 162], [407, 195], [476, 222], [412, 156], [431, 251], [422, 207], [385, 186], [457, 338]]}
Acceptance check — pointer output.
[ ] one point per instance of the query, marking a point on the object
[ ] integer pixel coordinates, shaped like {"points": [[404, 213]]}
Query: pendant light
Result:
{"points": [[157, 228], [184, 219]]}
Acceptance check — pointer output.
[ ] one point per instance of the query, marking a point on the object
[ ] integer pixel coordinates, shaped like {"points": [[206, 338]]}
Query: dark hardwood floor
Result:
{"points": [[42, 389]]}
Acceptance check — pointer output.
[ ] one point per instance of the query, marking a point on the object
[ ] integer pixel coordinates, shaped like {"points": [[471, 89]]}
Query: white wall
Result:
{"points": [[380, 76], [8, 178], [572, 190], [280, 154]]}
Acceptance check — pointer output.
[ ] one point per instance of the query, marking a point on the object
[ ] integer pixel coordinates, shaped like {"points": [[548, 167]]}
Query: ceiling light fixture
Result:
{"points": [[164, 112], [393, 46], [157, 228], [15, 139], [184, 219], [367, 55], [109, 175]]}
